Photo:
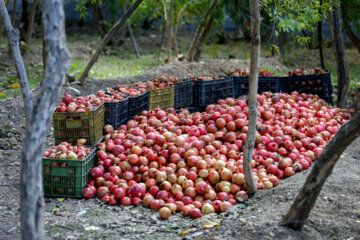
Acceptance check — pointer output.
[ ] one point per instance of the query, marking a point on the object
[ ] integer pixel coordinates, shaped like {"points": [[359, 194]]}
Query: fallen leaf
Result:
{"points": [[243, 220], [14, 85], [184, 232], [61, 199], [271, 233], [210, 225], [2, 94], [358, 221], [91, 228]]}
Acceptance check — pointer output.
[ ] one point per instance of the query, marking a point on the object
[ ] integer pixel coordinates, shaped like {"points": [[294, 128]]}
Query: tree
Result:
{"points": [[350, 13], [252, 96], [340, 56], [31, 22], [176, 28], [195, 39], [1, 24], [58, 59], [321, 54], [168, 20], [106, 39], [300, 209], [13, 39]]}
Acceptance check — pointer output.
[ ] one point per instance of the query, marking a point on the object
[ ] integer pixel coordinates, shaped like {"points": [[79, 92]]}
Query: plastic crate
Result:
{"points": [[161, 97], [66, 178], [116, 113], [183, 93], [265, 84], [69, 127], [319, 84], [209, 92], [138, 104]]}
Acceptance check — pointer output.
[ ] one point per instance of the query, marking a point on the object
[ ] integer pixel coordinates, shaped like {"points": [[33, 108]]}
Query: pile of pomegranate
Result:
{"points": [[161, 81], [193, 163], [302, 71], [116, 97], [246, 72], [80, 104], [209, 77], [65, 151]]}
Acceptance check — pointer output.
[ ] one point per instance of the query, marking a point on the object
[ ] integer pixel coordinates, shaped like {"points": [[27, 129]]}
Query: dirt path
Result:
{"points": [[336, 214]]}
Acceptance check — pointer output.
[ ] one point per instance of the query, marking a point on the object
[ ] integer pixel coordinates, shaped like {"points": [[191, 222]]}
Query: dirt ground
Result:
{"points": [[336, 214]]}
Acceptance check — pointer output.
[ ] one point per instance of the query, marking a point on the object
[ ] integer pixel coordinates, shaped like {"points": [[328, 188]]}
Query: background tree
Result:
{"points": [[340, 57], [107, 38], [1, 24], [13, 40]]}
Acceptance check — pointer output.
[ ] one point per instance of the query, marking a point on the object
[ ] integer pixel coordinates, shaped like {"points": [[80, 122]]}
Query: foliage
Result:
{"points": [[353, 12]]}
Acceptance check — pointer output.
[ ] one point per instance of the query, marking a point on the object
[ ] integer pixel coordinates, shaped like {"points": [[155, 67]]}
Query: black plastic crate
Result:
{"points": [[319, 84], [138, 104], [265, 84], [183, 93], [116, 113], [209, 92]]}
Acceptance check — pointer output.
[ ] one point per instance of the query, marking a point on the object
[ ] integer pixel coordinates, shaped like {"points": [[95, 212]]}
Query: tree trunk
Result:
{"points": [[13, 38], [96, 26], [202, 38], [13, 13], [306, 198], [31, 22], [1, 24], [339, 52], [321, 54], [169, 29], [162, 39], [189, 57], [107, 38], [252, 97], [101, 17], [24, 21], [58, 59], [176, 28], [349, 31], [133, 40]]}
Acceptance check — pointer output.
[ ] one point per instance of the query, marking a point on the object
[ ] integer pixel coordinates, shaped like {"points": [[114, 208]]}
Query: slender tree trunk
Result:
{"points": [[96, 26], [189, 57], [176, 28], [24, 21], [43, 54], [31, 22], [321, 54], [306, 198], [58, 59], [101, 16], [252, 97], [202, 37], [348, 29], [107, 38], [162, 39], [340, 56], [133, 40], [169, 30], [13, 13], [1, 24], [13, 38]]}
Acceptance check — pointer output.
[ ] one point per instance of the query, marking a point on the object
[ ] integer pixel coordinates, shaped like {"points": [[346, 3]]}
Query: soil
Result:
{"points": [[336, 214]]}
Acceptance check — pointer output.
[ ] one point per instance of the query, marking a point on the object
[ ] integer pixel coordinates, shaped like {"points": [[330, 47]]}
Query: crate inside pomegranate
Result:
{"points": [[208, 89], [80, 118], [66, 169]]}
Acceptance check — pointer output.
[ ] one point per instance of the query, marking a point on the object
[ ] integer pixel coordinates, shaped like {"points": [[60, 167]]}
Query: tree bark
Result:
{"points": [[133, 40], [101, 17], [321, 54], [1, 24], [58, 59], [31, 22], [13, 38], [107, 38], [162, 39], [340, 56], [189, 57], [176, 28], [202, 37], [24, 21], [306, 198], [13, 13], [348, 29], [169, 30], [252, 97]]}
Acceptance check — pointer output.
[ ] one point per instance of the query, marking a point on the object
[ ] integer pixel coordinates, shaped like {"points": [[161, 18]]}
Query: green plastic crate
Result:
{"points": [[66, 178], [69, 127], [161, 97]]}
